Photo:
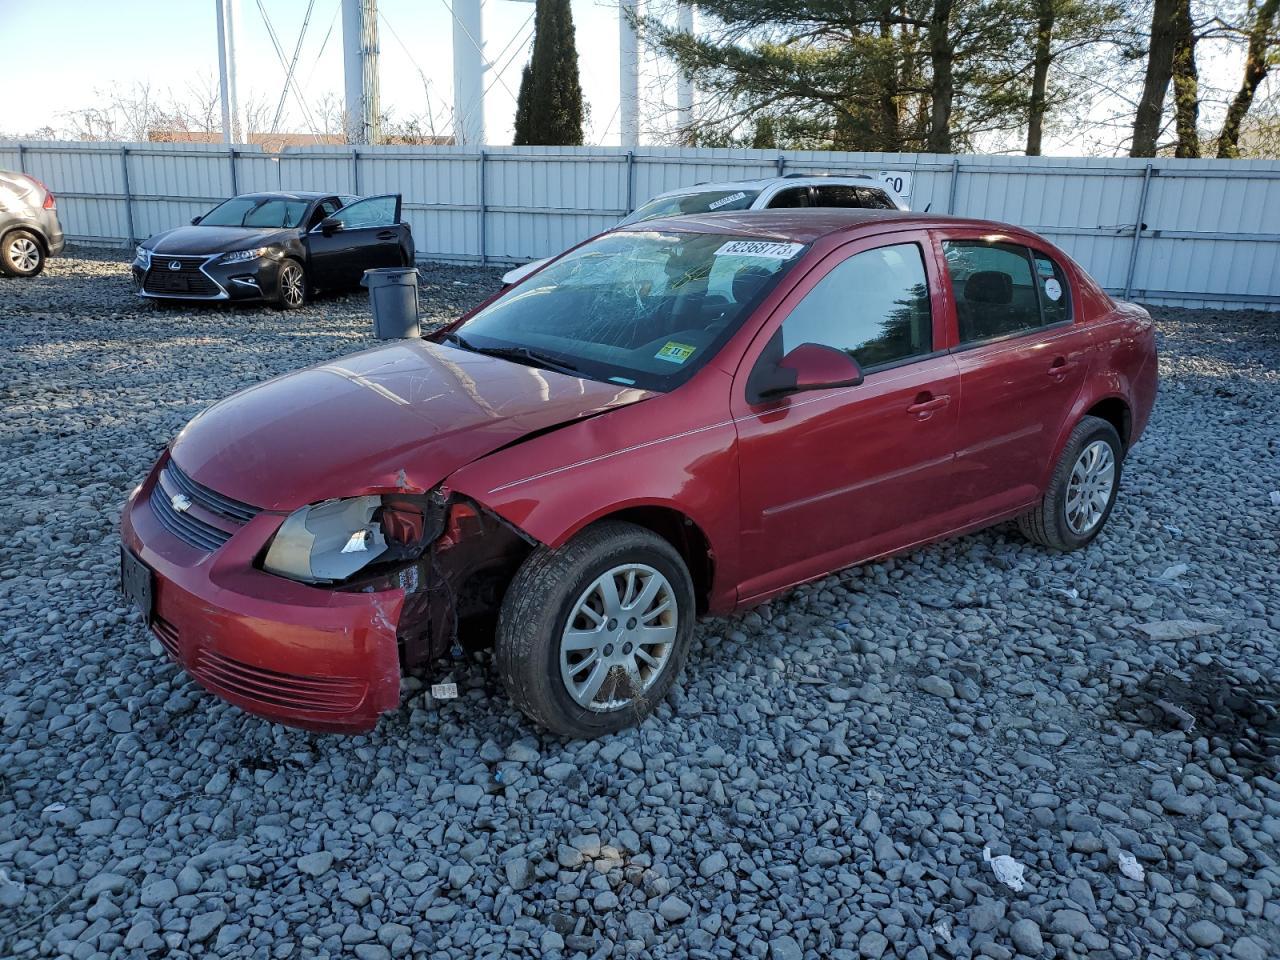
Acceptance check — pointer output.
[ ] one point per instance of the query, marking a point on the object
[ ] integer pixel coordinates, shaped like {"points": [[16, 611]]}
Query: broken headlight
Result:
{"points": [[332, 541]]}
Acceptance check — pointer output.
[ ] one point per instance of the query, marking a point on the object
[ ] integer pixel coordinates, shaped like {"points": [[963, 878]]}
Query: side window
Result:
{"points": [[794, 197], [995, 292], [374, 212], [874, 305], [1055, 292], [846, 195]]}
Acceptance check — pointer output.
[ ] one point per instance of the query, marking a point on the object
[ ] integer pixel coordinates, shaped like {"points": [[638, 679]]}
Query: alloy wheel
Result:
{"points": [[619, 636], [1093, 477], [24, 254], [291, 284]]}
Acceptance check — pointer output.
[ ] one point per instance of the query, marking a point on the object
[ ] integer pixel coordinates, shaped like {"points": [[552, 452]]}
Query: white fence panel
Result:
{"points": [[1172, 231]]}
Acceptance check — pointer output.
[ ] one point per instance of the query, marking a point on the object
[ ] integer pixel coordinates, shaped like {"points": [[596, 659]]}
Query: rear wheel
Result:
{"points": [[1082, 491], [21, 254], [291, 285], [591, 636]]}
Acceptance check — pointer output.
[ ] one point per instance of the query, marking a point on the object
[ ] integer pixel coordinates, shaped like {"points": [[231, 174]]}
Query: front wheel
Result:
{"points": [[1082, 491], [21, 254], [291, 286], [592, 635]]}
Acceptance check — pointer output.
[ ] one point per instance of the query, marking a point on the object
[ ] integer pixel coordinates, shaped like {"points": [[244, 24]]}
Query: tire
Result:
{"points": [[291, 285], [544, 604], [1062, 521], [21, 254]]}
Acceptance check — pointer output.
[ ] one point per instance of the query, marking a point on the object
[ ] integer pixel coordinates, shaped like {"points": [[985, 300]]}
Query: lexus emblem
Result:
{"points": [[175, 264], [180, 502]]}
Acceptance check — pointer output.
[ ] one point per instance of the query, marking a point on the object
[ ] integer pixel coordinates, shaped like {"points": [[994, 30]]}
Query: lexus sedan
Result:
{"points": [[680, 417], [29, 229], [277, 247]]}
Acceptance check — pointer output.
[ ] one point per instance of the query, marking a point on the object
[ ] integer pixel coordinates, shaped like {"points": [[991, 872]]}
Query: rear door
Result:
{"points": [[369, 237], [1022, 362]]}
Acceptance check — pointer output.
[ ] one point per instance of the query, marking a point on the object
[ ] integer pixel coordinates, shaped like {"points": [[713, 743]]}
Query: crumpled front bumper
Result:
{"points": [[323, 660]]}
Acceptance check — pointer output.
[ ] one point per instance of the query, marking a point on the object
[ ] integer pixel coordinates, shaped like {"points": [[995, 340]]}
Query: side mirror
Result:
{"points": [[196, 220], [330, 225], [810, 366]]}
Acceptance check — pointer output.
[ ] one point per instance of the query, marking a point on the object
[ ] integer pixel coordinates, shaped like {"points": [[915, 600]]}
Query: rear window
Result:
{"points": [[1002, 289], [705, 201]]}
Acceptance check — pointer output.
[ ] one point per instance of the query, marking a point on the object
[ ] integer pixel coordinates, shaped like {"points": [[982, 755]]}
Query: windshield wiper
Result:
{"points": [[523, 355]]}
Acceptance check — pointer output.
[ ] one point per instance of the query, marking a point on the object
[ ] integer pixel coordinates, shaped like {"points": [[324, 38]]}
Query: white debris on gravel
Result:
{"points": [[972, 696]]}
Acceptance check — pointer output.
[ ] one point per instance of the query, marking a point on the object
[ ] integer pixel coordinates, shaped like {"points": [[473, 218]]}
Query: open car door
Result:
{"points": [[364, 234]]}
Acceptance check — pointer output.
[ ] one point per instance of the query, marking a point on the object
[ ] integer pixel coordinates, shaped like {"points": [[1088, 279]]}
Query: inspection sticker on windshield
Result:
{"points": [[716, 205], [674, 352], [760, 248]]}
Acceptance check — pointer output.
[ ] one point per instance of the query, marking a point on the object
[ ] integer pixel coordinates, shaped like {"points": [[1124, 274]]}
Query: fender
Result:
{"points": [[677, 451], [1125, 372]]}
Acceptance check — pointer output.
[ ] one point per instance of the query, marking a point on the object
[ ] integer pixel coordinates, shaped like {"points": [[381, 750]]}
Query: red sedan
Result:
{"points": [[682, 417]]}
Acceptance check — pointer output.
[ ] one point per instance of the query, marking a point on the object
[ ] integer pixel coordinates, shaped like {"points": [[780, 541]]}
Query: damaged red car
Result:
{"points": [[677, 418]]}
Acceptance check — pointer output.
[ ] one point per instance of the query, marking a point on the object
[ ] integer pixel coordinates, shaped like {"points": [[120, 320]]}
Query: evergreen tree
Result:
{"points": [[549, 108]]}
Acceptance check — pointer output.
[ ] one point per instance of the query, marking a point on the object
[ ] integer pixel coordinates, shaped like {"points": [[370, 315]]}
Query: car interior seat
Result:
{"points": [[983, 310]]}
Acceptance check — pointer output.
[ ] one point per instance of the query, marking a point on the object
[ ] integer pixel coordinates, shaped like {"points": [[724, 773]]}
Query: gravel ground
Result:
{"points": [[827, 779]]}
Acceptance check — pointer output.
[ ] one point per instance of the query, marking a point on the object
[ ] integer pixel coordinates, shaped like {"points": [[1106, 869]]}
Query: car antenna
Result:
{"points": [[927, 206]]}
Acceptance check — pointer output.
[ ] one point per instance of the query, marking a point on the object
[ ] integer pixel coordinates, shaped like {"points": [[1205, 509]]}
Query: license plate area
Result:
{"points": [[136, 583]]}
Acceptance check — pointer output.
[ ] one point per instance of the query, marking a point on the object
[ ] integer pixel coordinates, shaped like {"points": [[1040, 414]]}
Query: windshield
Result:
{"points": [[640, 309], [707, 201], [256, 212]]}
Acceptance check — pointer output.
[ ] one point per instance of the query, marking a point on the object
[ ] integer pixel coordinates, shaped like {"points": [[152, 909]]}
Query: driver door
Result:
{"points": [[833, 477], [369, 237]]}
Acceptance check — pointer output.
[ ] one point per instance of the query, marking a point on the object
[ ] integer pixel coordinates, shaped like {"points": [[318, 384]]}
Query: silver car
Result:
{"points": [[29, 228]]}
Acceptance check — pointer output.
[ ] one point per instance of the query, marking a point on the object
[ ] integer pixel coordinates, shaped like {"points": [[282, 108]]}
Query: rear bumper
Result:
{"points": [[318, 659]]}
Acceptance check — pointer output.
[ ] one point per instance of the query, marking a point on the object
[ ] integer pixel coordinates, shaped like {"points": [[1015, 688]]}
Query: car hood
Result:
{"points": [[403, 416], [198, 240]]}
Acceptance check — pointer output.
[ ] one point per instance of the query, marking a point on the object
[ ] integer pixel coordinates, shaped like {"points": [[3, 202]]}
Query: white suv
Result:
{"points": [[772, 193]]}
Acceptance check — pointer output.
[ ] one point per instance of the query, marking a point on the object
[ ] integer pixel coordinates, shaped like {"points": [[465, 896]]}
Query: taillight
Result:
{"points": [[50, 201]]}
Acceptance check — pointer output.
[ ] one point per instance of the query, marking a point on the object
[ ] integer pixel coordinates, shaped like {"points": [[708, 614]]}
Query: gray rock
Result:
{"points": [[204, 924], [673, 909], [1025, 935], [1205, 933], [316, 864], [937, 686]]}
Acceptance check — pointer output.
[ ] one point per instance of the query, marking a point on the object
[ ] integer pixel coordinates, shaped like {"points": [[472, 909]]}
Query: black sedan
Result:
{"points": [[279, 247]]}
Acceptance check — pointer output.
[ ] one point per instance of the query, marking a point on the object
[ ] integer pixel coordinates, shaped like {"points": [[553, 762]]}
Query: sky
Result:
{"points": [[98, 45], [83, 49]]}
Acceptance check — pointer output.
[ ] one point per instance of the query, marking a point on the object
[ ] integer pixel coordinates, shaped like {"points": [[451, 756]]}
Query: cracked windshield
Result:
{"points": [[640, 309]]}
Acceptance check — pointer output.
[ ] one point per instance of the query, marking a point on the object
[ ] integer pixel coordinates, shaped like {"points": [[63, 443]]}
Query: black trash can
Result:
{"points": [[393, 294]]}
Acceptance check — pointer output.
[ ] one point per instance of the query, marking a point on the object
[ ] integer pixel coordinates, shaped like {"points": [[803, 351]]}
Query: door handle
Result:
{"points": [[387, 235], [926, 403], [1061, 366]]}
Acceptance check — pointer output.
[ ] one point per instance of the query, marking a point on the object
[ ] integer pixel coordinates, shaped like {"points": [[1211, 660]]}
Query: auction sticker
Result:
{"points": [[767, 249], [725, 200], [1053, 289], [674, 352]]}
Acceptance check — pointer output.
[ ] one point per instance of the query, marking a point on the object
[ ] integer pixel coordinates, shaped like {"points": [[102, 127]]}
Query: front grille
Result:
{"points": [[167, 634], [190, 529], [281, 690], [188, 280], [178, 482]]}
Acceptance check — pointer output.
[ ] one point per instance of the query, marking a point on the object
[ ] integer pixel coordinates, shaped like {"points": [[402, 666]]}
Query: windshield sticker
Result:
{"points": [[1053, 289], [1044, 267], [674, 352], [760, 248], [723, 200]]}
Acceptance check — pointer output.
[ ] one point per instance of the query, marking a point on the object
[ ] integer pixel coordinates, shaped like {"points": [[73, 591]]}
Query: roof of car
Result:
{"points": [[804, 225], [791, 179], [287, 195]]}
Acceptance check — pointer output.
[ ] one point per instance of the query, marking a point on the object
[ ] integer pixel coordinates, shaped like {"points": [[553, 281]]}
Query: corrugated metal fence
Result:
{"points": [[1196, 232]]}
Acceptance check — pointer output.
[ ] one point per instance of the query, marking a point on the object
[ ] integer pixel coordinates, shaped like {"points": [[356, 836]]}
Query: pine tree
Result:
{"points": [[549, 108]]}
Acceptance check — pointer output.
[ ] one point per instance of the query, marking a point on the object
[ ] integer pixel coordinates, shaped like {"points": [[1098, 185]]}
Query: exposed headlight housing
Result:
{"points": [[240, 256], [332, 541], [143, 256]]}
